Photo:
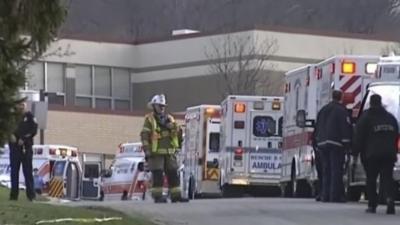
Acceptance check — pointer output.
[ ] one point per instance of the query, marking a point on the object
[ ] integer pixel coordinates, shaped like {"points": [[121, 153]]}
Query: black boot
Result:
{"points": [[390, 207], [370, 209], [160, 200]]}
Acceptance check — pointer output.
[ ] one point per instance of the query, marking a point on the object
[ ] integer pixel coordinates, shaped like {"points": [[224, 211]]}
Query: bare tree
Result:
{"points": [[355, 16], [240, 63]]}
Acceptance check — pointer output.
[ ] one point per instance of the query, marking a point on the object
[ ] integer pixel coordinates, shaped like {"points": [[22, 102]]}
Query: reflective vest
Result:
{"points": [[158, 135]]}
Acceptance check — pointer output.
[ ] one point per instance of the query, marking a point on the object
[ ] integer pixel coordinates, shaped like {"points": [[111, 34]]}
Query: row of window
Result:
{"points": [[95, 86]]}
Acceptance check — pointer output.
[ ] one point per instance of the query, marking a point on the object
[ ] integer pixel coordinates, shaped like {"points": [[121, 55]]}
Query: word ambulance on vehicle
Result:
{"points": [[307, 90], [200, 173], [126, 174], [251, 141]]}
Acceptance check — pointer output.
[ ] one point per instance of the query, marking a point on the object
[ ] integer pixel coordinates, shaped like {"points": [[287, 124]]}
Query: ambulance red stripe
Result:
{"points": [[348, 83], [297, 140]]}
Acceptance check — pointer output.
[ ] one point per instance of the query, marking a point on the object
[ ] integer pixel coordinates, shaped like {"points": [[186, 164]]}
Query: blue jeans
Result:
{"points": [[333, 158]]}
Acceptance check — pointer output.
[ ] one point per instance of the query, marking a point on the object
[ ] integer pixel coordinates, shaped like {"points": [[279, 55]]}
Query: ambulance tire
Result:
{"points": [[191, 189], [231, 191], [304, 189], [354, 193], [286, 190]]}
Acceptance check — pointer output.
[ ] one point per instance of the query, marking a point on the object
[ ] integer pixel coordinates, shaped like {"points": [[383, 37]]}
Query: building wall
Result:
{"points": [[92, 132]]}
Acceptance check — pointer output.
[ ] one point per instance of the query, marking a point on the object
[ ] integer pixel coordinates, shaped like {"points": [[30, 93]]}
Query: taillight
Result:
{"points": [[238, 154]]}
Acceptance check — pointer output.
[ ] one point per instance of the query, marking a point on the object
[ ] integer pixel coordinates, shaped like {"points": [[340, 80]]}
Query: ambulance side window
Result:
{"points": [[59, 169], [214, 142]]}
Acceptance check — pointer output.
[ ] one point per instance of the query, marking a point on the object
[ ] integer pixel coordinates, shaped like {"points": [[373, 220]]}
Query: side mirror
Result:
{"points": [[301, 120]]}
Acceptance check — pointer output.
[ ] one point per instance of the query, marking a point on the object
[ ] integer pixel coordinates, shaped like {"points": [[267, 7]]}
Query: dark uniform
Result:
{"points": [[333, 139], [376, 141], [21, 153], [318, 166]]}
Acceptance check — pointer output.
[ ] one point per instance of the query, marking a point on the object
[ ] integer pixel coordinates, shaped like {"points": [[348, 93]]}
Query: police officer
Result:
{"points": [[376, 141], [318, 165], [333, 140], [161, 139], [21, 152]]}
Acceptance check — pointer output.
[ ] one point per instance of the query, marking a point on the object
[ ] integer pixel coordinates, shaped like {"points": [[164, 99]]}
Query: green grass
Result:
{"points": [[25, 212]]}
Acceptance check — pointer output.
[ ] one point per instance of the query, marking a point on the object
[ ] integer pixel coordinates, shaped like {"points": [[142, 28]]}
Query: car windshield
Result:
{"points": [[390, 94]]}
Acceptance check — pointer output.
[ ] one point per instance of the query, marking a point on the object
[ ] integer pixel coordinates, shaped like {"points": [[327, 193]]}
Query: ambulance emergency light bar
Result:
{"points": [[348, 67], [240, 107]]}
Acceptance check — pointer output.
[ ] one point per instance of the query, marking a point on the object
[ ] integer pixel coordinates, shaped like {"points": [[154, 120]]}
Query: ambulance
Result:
{"points": [[200, 173], [251, 142], [121, 180], [307, 90], [44, 157]]}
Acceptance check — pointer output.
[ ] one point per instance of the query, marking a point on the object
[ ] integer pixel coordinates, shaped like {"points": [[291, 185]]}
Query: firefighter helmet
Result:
{"points": [[157, 100]]}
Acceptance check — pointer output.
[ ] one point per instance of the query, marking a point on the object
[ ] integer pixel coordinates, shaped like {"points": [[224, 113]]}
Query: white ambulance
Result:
{"points": [[307, 90], [200, 173], [124, 172], [388, 68], [251, 141], [44, 157]]}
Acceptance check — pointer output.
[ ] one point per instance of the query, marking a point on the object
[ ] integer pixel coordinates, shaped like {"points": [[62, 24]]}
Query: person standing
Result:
{"points": [[160, 138], [376, 141], [333, 139], [21, 152]]}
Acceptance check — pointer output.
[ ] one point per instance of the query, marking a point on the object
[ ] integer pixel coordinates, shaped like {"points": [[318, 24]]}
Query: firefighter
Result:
{"points": [[161, 140], [333, 140], [21, 152], [376, 142]]}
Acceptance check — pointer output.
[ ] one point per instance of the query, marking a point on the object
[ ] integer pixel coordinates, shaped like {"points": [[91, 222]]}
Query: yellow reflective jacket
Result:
{"points": [[160, 140]]}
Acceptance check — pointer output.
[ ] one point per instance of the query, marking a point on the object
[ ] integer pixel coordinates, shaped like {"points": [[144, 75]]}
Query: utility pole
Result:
{"points": [[41, 131]]}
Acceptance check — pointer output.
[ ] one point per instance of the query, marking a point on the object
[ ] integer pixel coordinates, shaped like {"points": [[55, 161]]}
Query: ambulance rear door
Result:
{"points": [[265, 152], [92, 165]]}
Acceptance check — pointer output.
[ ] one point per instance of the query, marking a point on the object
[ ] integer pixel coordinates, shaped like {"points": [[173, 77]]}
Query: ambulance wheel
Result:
{"points": [[230, 191], [354, 193], [191, 189], [304, 189]]}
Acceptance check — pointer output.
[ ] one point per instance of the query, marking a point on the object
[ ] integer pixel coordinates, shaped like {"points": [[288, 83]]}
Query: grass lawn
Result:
{"points": [[23, 212]]}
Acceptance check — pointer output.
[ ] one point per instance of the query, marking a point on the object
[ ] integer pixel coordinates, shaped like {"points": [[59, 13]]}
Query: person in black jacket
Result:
{"points": [[21, 152], [376, 141], [333, 137]]}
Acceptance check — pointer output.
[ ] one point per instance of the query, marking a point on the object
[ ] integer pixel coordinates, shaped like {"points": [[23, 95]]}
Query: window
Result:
{"points": [[35, 76], [92, 171], [390, 98], [122, 105], [83, 80], [55, 77], [214, 142], [264, 126], [102, 81], [59, 168], [123, 168], [103, 103], [83, 101], [121, 83]]}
